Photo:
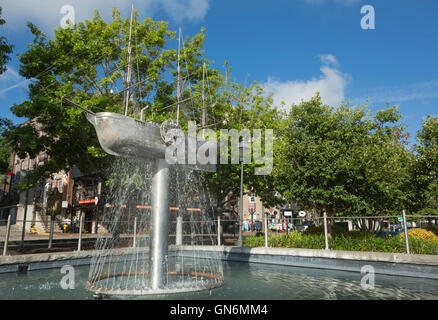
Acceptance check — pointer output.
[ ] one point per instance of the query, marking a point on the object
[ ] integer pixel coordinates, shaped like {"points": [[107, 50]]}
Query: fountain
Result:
{"points": [[145, 142]]}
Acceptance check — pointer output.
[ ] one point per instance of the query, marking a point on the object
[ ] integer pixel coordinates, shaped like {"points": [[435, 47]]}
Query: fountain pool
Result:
{"points": [[248, 281]]}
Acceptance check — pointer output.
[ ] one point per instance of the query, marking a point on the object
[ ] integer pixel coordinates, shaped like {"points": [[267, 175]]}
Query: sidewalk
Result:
{"points": [[15, 235]]}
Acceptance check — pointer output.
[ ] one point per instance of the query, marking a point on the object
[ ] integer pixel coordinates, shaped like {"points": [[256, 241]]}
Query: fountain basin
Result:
{"points": [[246, 279]]}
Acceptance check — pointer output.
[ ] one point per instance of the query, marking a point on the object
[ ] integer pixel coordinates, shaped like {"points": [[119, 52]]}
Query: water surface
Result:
{"points": [[245, 281]]}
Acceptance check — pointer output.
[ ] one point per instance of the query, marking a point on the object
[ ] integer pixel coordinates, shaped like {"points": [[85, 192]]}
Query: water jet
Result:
{"points": [[126, 137]]}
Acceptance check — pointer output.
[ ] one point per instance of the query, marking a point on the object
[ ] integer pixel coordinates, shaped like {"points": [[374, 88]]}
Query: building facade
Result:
{"points": [[31, 205]]}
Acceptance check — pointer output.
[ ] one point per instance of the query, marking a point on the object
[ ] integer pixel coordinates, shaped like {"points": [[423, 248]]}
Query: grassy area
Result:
{"points": [[350, 241]]}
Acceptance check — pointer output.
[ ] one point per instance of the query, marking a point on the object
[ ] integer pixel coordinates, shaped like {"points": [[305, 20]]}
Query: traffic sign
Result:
{"points": [[251, 202], [302, 214], [400, 219]]}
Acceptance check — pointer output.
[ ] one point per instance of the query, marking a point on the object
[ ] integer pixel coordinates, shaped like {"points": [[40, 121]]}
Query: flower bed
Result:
{"points": [[349, 241]]}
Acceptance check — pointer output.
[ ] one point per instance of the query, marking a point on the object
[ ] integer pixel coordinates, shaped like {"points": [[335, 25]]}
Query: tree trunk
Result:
{"points": [[364, 225], [357, 224]]}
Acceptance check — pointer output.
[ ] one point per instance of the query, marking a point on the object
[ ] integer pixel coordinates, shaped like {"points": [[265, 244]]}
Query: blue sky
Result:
{"points": [[294, 47]]}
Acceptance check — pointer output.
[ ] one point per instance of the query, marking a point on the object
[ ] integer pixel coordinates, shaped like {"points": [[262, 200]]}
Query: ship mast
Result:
{"points": [[204, 111], [128, 75], [178, 85]]}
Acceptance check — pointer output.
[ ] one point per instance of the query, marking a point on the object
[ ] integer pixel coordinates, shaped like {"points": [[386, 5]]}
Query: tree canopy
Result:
{"points": [[87, 64], [425, 169], [5, 149], [342, 160], [5, 48]]}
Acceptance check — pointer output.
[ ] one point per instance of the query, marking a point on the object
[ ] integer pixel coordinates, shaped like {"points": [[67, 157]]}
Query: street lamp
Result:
{"points": [[243, 150], [266, 227], [99, 203]]}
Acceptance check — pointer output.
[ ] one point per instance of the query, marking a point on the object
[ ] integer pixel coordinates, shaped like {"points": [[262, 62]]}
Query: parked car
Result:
{"points": [[303, 227], [399, 226], [384, 233]]}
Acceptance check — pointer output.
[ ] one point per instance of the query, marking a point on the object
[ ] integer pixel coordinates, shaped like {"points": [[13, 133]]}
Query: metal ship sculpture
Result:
{"points": [[124, 136]]}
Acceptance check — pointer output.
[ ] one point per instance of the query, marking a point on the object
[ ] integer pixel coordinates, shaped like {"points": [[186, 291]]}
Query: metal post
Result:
{"points": [[406, 232], [178, 84], [326, 232], [204, 111], [219, 230], [240, 239], [96, 226], [192, 229], [52, 225], [135, 232], [8, 231], [142, 112], [266, 230], [80, 231], [128, 76], [263, 210], [23, 230], [159, 225], [202, 233], [179, 230]]}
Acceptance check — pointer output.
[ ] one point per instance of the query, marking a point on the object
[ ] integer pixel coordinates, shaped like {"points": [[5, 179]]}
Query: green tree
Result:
{"points": [[5, 149], [342, 161], [244, 107], [5, 48], [88, 65], [425, 170]]}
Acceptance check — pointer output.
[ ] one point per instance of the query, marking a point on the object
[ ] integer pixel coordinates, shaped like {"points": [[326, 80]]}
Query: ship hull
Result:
{"points": [[124, 136]]}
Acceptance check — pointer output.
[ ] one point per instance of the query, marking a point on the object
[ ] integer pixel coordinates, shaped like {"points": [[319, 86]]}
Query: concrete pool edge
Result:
{"points": [[396, 264], [400, 264]]}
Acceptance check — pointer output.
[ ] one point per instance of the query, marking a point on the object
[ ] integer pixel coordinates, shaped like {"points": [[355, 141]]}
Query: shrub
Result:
{"points": [[420, 246], [319, 230], [314, 230], [336, 231], [422, 234], [349, 241], [434, 229]]}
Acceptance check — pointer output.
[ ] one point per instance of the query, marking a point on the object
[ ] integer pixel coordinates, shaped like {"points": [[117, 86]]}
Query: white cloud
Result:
{"points": [[397, 94], [342, 2], [191, 10], [10, 80], [328, 59], [9, 75], [47, 13], [331, 85]]}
